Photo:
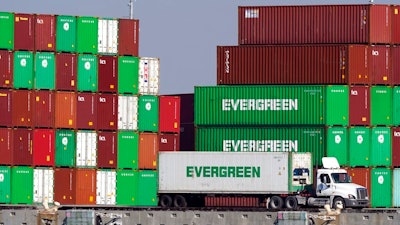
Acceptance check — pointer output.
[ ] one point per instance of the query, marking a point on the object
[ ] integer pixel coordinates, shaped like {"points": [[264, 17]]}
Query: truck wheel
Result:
{"points": [[276, 202], [338, 200], [180, 201], [165, 201], [291, 203]]}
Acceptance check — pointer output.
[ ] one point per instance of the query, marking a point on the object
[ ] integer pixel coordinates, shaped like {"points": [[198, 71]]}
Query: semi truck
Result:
{"points": [[275, 180]]}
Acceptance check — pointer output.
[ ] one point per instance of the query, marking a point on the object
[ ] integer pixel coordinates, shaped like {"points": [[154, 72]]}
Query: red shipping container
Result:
{"points": [[44, 108], [379, 64], [359, 105], [395, 65], [22, 108], [24, 32], [395, 10], [148, 151], [358, 65], [169, 114], [64, 186], [66, 71], [186, 142], [86, 110], [107, 149], [128, 37], [107, 111], [65, 113], [168, 142], [108, 74], [85, 187], [43, 147], [6, 146], [396, 146], [6, 108], [312, 24], [361, 176], [6, 69], [22, 147], [45, 32]]}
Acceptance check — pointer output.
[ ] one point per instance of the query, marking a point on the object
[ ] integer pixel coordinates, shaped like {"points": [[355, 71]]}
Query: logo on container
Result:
{"points": [[81, 99], [260, 145], [87, 65], [375, 53], [64, 141], [227, 56], [23, 62], [39, 21], [164, 141], [66, 26], [396, 133], [102, 100], [354, 92], [103, 61], [102, 138], [44, 63], [148, 106]]}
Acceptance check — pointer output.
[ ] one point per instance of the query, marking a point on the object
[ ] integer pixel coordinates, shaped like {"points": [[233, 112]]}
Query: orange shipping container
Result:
{"points": [[148, 151], [361, 176], [65, 113], [85, 186]]}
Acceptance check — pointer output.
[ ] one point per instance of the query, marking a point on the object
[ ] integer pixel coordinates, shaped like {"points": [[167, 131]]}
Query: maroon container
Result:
{"points": [[6, 69], [65, 112], [359, 105], [44, 108], [395, 23], [396, 146], [312, 24], [169, 114], [187, 137], [379, 65], [66, 71], [107, 111], [107, 149], [22, 108], [148, 151], [6, 117], [6, 146], [395, 65], [187, 108], [108, 74], [128, 35], [22, 147], [86, 110], [168, 142], [43, 147], [45, 32], [24, 32], [358, 65], [64, 186], [361, 176]]}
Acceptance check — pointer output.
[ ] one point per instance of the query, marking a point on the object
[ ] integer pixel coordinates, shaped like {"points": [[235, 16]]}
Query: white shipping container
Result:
{"points": [[127, 112], [149, 75], [43, 185], [106, 187], [86, 149], [108, 36]]}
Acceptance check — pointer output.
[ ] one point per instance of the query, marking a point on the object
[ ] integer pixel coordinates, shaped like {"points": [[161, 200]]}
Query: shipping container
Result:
{"points": [[395, 23], [87, 34], [44, 108], [395, 57], [108, 74], [381, 187], [337, 105], [359, 105], [45, 33], [85, 186], [147, 188], [361, 176], [337, 142], [6, 146], [86, 110], [6, 68], [43, 185], [396, 187], [65, 145], [169, 142], [395, 146], [108, 36], [22, 108], [396, 106], [7, 28], [128, 37], [65, 186], [107, 111], [45, 71], [379, 64], [22, 147], [24, 31], [381, 147], [186, 140], [65, 116], [128, 150], [259, 105], [187, 107], [148, 116], [149, 75], [86, 148], [359, 146], [169, 113], [6, 118], [23, 69], [315, 24], [128, 75], [43, 147], [128, 112], [66, 33], [381, 105], [127, 187], [66, 71], [21, 185], [87, 73], [5, 184], [106, 187], [148, 151], [107, 149]]}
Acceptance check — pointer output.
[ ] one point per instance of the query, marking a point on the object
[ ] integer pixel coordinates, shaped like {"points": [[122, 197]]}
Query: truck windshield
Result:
{"points": [[341, 178]]}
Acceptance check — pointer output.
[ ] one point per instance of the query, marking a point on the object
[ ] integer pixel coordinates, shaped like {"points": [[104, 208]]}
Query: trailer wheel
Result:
{"points": [[165, 201], [338, 200], [276, 202], [291, 202], [180, 201]]}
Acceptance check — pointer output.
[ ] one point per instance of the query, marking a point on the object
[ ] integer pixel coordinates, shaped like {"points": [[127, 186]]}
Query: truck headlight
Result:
{"points": [[352, 197]]}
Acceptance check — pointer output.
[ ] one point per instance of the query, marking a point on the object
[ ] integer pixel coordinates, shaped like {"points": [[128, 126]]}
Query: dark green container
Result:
{"points": [[337, 144], [66, 34], [127, 187], [45, 70], [128, 74], [128, 148], [23, 69], [381, 146], [147, 188], [7, 30], [381, 105], [381, 187], [87, 73], [337, 105], [65, 148], [21, 185], [359, 146], [5, 184], [87, 34], [148, 113], [396, 106]]}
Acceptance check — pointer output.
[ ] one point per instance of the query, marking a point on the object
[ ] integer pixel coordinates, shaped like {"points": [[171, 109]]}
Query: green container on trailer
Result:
{"points": [[381, 146], [23, 69], [337, 144], [7, 30], [87, 34], [127, 187], [337, 105], [128, 150], [147, 188], [65, 151], [381, 105], [259, 105], [5, 184], [359, 146], [66, 33], [128, 75], [148, 113], [45, 72], [381, 187], [87, 73], [396, 105], [21, 185]]}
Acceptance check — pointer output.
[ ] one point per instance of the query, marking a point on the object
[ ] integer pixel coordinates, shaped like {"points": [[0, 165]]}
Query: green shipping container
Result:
{"points": [[337, 144], [21, 185], [5, 184], [359, 146], [87, 73], [128, 150], [381, 105], [148, 113], [127, 184], [23, 69], [65, 148], [7, 30], [259, 105], [66, 34], [87, 34], [337, 105], [396, 106], [381, 187], [45, 72], [147, 188], [128, 74], [381, 146]]}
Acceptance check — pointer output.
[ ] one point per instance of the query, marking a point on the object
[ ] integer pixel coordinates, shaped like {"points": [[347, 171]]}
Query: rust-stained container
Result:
{"points": [[45, 32], [6, 69], [359, 105], [65, 113], [361, 176], [395, 64], [128, 35], [22, 146], [6, 146], [86, 110], [396, 146], [43, 147], [24, 31], [395, 10], [107, 149], [314, 24], [66, 71], [107, 111], [85, 186], [22, 110], [44, 108], [108, 74], [379, 64], [64, 186], [168, 141], [6, 117], [148, 151], [169, 114]]}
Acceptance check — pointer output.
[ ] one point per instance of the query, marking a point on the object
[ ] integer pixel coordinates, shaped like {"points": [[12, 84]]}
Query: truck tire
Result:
{"points": [[276, 202], [180, 201], [337, 200], [291, 203], [165, 201]]}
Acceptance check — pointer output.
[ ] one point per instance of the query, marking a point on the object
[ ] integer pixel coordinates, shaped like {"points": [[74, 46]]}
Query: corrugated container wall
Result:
{"points": [[65, 186], [86, 110], [6, 146], [6, 119], [85, 187], [107, 149], [381, 105], [45, 33], [106, 187], [396, 106], [108, 36], [395, 58], [379, 64], [169, 142], [45, 71], [22, 147], [127, 187], [148, 151], [22, 108], [128, 34], [86, 148], [128, 112], [66, 33], [359, 105], [87, 73], [359, 146], [43, 185], [66, 71], [337, 144], [7, 28], [65, 109], [381, 147], [44, 108], [128, 145], [23, 69], [43, 147], [108, 74], [381, 187], [5, 184], [149, 75], [148, 113], [22, 185], [147, 188], [396, 187], [395, 146], [87, 34], [337, 105], [6, 68], [361, 176], [169, 115], [24, 32], [65, 145], [107, 111], [395, 23], [128, 75]]}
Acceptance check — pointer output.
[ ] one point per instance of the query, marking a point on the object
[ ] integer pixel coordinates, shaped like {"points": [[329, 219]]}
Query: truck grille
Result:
{"points": [[362, 193]]}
